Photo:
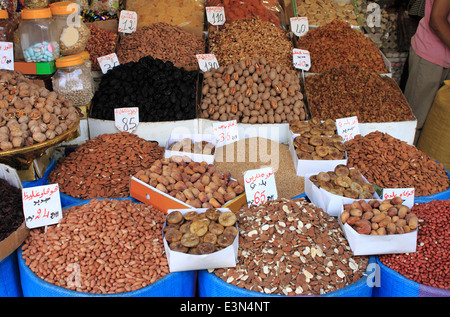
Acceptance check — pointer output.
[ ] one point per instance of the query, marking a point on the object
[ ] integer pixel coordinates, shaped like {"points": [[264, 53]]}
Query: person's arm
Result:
{"points": [[438, 20]]}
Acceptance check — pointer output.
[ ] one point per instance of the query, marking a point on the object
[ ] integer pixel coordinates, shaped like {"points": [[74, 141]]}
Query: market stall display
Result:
{"points": [[321, 12]]}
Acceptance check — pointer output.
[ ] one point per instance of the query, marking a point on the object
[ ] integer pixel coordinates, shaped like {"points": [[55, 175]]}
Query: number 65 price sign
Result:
{"points": [[126, 119], [260, 186]]}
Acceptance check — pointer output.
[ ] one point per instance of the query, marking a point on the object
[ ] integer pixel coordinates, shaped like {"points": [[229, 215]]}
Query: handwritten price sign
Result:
{"points": [[108, 62], [301, 59], [215, 15], [260, 186], [6, 55], [206, 62], [127, 21], [126, 119], [406, 193], [347, 128], [299, 25], [41, 205], [225, 132]]}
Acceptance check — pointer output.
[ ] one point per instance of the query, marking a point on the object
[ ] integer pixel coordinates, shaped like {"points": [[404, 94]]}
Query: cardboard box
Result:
{"points": [[196, 157], [15, 239], [178, 261]]}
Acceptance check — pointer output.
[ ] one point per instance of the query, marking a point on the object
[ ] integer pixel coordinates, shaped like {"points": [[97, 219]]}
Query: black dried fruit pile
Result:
{"points": [[11, 210], [161, 91]]}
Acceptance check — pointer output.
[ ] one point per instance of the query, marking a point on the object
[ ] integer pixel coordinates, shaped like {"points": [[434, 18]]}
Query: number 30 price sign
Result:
{"points": [[126, 119], [260, 186]]}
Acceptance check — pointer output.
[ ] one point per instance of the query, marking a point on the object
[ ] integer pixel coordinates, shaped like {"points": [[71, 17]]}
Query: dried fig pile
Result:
{"points": [[189, 146]]}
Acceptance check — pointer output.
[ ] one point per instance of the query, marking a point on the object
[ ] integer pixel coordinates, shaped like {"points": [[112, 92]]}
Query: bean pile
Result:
{"points": [[347, 91], [104, 247], [161, 91], [391, 163], [291, 247], [102, 166], [430, 264], [11, 212]]}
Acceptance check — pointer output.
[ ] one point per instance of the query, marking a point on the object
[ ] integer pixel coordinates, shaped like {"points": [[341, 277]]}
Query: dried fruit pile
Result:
{"points": [[11, 212]]}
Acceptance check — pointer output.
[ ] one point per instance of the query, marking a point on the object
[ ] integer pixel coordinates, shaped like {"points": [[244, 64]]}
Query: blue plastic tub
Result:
{"points": [[10, 285]]}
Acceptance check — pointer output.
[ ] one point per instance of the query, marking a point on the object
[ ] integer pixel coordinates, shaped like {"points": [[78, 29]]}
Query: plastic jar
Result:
{"points": [[6, 32], [73, 34], [38, 36], [87, 59], [73, 80]]}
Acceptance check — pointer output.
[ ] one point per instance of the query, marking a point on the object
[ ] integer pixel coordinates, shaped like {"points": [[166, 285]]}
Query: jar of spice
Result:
{"points": [[73, 34], [6, 32], [38, 36], [73, 80]]}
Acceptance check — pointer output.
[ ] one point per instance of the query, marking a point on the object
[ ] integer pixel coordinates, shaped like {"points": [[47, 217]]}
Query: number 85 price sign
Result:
{"points": [[126, 119]]}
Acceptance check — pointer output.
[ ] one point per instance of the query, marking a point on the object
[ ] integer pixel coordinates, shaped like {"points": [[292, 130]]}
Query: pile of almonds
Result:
{"points": [[199, 185], [189, 146], [291, 247]]}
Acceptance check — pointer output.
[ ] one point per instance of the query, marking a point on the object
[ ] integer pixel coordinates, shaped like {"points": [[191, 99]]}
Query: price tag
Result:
{"points": [[260, 186], [406, 193], [301, 59], [126, 119], [347, 128], [206, 62], [215, 15], [108, 62], [299, 25], [127, 21], [6, 55], [225, 132], [41, 205]]}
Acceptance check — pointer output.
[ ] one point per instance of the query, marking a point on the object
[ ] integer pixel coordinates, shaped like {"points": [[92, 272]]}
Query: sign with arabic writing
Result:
{"points": [[260, 186], [41, 205]]}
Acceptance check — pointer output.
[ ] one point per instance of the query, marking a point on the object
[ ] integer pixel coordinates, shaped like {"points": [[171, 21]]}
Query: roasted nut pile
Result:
{"points": [[102, 166], [391, 163], [161, 91], [253, 90], [249, 38], [164, 41], [200, 233], [347, 91], [104, 247], [336, 44], [430, 264], [291, 247], [317, 140], [344, 182], [30, 114], [101, 42], [376, 217], [199, 185], [190, 146], [321, 12], [11, 212]]}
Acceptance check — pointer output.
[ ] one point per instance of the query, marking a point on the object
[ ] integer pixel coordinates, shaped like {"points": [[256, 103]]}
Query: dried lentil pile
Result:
{"points": [[351, 90], [291, 247], [336, 43], [249, 38], [11, 212]]}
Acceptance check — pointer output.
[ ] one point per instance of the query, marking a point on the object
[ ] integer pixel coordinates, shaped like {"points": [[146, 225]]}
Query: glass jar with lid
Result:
{"points": [[73, 34], [87, 59], [6, 32], [38, 36], [73, 80]]}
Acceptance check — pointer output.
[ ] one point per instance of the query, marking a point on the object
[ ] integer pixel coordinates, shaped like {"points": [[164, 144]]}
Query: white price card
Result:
{"points": [[299, 25], [226, 132], [301, 59], [260, 186], [6, 55], [347, 128], [108, 62], [41, 205], [407, 194], [127, 21], [215, 15], [126, 119], [206, 62]]}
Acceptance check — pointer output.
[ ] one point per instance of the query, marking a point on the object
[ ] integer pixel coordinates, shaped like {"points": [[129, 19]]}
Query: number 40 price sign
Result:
{"points": [[126, 119], [260, 186]]}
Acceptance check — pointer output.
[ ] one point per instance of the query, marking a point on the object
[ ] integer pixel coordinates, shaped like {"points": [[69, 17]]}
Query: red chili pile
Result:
{"points": [[430, 264]]}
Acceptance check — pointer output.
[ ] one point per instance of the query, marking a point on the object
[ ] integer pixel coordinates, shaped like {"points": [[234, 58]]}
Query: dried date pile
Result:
{"points": [[291, 247], [336, 43], [11, 213], [347, 91]]}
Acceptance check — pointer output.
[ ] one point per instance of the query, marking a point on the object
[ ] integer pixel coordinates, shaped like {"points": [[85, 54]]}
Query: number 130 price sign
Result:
{"points": [[260, 186], [126, 119]]}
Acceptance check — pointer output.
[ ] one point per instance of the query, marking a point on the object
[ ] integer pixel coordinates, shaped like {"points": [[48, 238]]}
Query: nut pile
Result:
{"points": [[102, 166], [199, 185], [347, 91], [291, 247], [251, 37], [344, 182], [321, 12], [188, 145], [30, 114], [336, 44], [200, 233], [391, 163], [430, 264], [100, 43], [375, 217], [253, 90], [11, 211], [317, 140], [104, 247]]}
